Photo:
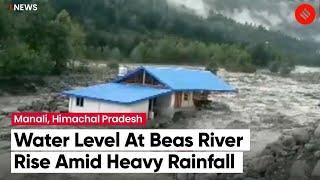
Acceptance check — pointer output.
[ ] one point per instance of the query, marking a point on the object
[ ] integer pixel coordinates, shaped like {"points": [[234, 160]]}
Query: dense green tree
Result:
{"points": [[19, 59], [139, 53], [35, 27], [115, 54], [60, 46], [274, 66]]}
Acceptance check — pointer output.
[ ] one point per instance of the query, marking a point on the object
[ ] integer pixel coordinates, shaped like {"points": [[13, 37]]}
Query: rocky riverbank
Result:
{"points": [[54, 84], [294, 156], [48, 103]]}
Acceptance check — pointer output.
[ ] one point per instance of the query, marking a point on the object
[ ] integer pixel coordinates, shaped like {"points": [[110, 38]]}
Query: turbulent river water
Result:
{"points": [[268, 105]]}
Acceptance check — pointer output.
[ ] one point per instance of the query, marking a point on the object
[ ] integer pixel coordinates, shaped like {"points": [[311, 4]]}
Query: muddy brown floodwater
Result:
{"points": [[268, 105]]}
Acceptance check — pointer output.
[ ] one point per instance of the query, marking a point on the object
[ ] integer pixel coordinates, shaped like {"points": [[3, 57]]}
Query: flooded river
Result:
{"points": [[268, 105]]}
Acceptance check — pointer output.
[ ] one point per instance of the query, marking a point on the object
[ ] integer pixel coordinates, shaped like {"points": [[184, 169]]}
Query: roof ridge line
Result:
{"points": [[157, 78], [116, 80]]}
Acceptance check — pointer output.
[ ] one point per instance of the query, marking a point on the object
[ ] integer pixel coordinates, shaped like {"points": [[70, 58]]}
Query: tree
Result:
{"points": [[34, 27], [77, 40], [66, 40], [106, 52], [274, 66], [116, 54], [60, 44], [6, 22], [285, 69], [139, 53], [19, 59], [287, 65]]}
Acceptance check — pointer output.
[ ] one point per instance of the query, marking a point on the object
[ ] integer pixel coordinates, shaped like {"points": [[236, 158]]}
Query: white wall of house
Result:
{"points": [[112, 107], [142, 106], [90, 105], [165, 105]]}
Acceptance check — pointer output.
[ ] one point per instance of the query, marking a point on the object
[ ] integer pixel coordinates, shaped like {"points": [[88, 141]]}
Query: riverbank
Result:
{"points": [[33, 85]]}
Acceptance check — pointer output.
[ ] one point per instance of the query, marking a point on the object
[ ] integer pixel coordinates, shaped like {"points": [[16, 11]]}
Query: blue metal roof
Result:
{"points": [[118, 93], [189, 79]]}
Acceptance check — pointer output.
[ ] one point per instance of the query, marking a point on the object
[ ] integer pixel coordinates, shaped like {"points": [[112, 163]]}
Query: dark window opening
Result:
{"points": [[80, 102], [185, 96]]}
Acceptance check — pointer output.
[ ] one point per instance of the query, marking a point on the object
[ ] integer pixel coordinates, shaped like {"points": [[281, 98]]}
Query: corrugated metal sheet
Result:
{"points": [[189, 79], [118, 93]]}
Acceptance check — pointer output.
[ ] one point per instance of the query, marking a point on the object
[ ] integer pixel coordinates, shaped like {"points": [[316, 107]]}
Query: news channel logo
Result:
{"points": [[22, 7], [306, 12]]}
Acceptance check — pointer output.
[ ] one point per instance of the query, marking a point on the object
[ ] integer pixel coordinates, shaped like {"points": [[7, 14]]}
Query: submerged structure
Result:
{"points": [[157, 91]]}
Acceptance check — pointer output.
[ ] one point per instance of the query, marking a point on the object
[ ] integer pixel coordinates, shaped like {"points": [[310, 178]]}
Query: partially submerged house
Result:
{"points": [[153, 90]]}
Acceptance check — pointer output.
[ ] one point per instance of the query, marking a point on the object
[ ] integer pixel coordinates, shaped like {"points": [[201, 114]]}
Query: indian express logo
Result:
{"points": [[305, 14]]}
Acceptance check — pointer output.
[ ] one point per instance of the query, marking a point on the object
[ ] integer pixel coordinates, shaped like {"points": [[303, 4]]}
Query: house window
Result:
{"points": [[79, 102], [186, 96]]}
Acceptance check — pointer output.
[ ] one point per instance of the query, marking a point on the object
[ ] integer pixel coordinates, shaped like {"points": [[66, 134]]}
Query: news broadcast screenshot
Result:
{"points": [[159, 90]]}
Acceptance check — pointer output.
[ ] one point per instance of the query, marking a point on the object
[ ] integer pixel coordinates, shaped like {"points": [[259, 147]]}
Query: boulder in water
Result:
{"points": [[316, 171], [23, 108], [317, 154], [236, 124], [287, 140], [317, 132], [299, 170], [62, 109], [301, 135], [261, 164], [219, 106], [207, 177]]}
